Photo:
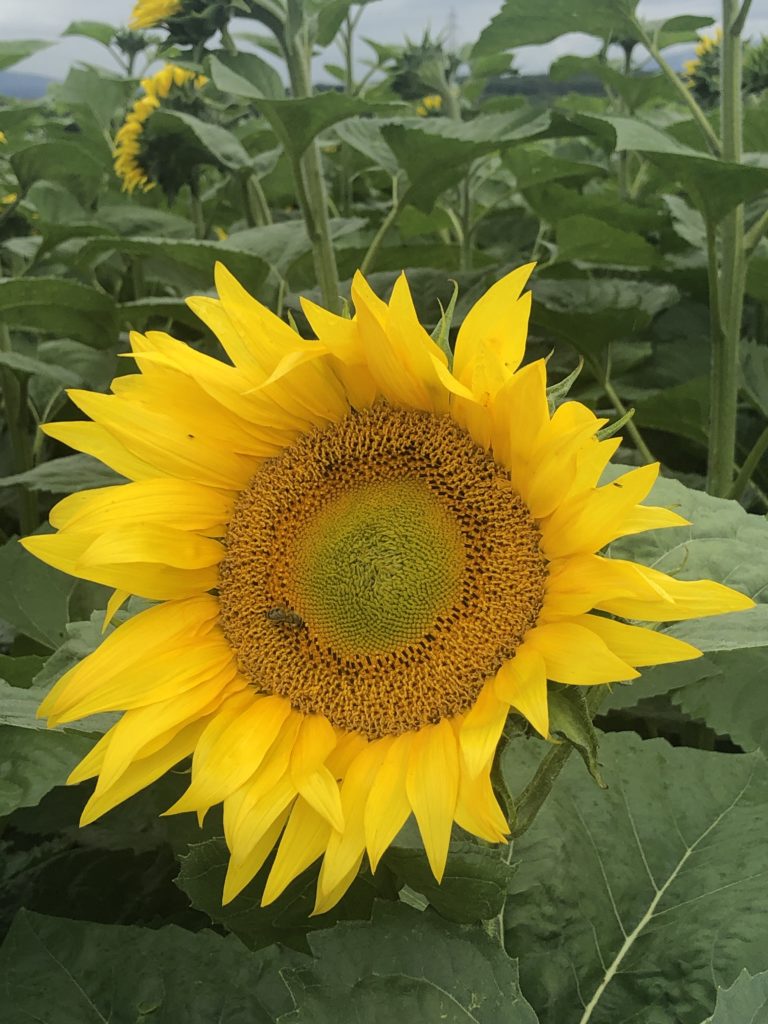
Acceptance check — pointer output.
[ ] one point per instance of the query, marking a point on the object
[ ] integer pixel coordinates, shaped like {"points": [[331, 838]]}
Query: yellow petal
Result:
{"points": [[241, 872], [432, 783], [489, 323], [477, 809], [387, 807], [685, 599], [232, 748], [573, 654], [167, 627], [304, 840], [151, 542], [345, 849], [93, 439], [581, 582], [638, 646], [143, 772], [311, 777], [481, 728], [522, 682], [65, 551], [172, 503]]}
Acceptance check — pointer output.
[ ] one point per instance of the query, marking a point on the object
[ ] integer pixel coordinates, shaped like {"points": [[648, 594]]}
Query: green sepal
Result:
{"points": [[570, 721]]}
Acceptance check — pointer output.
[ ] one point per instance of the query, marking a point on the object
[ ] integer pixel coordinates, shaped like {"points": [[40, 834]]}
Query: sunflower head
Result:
{"points": [[430, 104], [141, 162], [189, 22], [363, 560], [702, 72]]}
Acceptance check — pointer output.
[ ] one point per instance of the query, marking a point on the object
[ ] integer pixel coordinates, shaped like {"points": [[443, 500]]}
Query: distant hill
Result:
{"points": [[23, 86]]}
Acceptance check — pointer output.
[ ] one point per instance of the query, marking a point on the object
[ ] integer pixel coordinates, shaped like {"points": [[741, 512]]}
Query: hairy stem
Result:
{"points": [[732, 278]]}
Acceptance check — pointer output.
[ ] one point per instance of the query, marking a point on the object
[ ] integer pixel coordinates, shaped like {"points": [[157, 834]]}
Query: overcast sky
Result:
{"points": [[384, 21]]}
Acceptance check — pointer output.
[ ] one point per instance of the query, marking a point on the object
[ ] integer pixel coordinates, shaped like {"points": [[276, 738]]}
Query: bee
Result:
{"points": [[285, 616]]}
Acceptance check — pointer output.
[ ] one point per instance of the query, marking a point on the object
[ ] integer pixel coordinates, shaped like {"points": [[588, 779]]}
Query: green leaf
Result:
{"points": [[406, 965], [592, 314], [634, 89], [288, 920], [95, 90], [745, 1002], [72, 164], [364, 135], [521, 23], [33, 762], [533, 166], [37, 368], [683, 28], [435, 152], [644, 896], [34, 598], [682, 410], [571, 721], [588, 240], [754, 366], [12, 51], [202, 141], [59, 307], [475, 883], [20, 671], [296, 122], [246, 75], [715, 186], [186, 261], [98, 30], [64, 476], [18, 708], [92, 973]]}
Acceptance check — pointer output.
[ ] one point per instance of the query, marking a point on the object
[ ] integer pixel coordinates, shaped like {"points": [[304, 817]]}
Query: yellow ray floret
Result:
{"points": [[158, 87], [364, 559], [147, 13]]}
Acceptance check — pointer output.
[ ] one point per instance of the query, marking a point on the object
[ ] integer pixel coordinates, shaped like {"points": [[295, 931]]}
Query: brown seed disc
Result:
{"points": [[379, 571]]}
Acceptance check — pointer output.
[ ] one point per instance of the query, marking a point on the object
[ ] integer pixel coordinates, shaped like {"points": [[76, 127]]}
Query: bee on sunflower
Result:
{"points": [[130, 160], [363, 559]]}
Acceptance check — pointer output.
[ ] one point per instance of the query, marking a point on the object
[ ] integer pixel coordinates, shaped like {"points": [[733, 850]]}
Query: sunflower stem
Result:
{"points": [[682, 90], [386, 224], [732, 277], [307, 169], [751, 463], [604, 376], [531, 800]]}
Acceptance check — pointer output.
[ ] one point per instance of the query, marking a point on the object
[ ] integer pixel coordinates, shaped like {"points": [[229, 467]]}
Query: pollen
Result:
{"points": [[405, 566]]}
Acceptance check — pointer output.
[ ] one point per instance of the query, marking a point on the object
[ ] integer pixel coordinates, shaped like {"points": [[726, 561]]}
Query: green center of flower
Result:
{"points": [[377, 566]]}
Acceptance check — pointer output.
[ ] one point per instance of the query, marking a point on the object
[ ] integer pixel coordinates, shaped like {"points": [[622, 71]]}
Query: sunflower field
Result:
{"points": [[383, 541]]}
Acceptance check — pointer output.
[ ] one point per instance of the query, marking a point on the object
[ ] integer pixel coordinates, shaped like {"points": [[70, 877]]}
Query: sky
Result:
{"points": [[385, 21]]}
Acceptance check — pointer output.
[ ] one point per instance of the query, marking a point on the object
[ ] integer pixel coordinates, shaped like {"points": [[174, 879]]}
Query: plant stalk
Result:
{"points": [[308, 170], [732, 277]]}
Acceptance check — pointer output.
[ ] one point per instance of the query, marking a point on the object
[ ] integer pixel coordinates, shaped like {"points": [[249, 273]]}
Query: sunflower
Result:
{"points": [[707, 59], [362, 560], [128, 141], [147, 13], [431, 104]]}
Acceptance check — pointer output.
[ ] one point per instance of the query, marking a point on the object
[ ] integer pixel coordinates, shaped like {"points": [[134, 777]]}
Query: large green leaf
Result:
{"points": [[635, 89], [72, 164], [521, 23], [64, 476], [201, 141], [59, 307], [296, 122], [715, 186], [635, 902], [246, 75], [435, 152], [34, 761], [87, 973], [475, 883], [407, 966], [288, 920], [745, 1002], [89, 88], [14, 50], [97, 30], [189, 261], [588, 240], [34, 598], [591, 314]]}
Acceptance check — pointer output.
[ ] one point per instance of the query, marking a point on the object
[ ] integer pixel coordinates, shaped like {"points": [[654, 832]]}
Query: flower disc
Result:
{"points": [[379, 571]]}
